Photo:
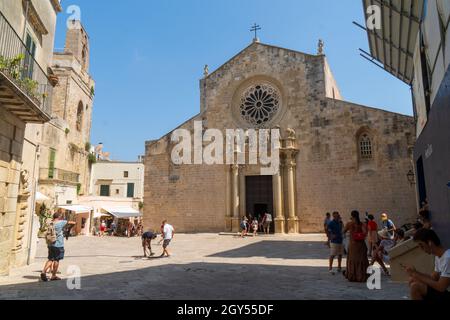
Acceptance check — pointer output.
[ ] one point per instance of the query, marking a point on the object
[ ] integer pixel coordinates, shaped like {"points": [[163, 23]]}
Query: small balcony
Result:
{"points": [[25, 89], [58, 175]]}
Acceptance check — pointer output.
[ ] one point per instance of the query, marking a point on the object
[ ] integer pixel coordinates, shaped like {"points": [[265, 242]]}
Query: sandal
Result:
{"points": [[44, 277], [55, 279]]}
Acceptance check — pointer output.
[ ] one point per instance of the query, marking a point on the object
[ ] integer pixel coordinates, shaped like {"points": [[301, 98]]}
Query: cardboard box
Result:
{"points": [[408, 253]]}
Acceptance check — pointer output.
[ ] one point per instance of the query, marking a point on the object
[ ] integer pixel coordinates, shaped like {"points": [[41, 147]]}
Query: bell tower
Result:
{"points": [[77, 43]]}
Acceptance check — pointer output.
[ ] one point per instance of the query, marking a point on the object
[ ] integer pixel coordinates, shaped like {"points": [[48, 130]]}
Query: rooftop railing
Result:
{"points": [[18, 64]]}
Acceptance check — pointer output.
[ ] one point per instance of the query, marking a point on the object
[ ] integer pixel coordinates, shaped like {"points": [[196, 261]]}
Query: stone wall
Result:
{"points": [[331, 177], [191, 197], [11, 144]]}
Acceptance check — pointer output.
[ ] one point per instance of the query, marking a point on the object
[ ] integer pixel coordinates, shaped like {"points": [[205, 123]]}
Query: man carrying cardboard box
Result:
{"points": [[436, 286]]}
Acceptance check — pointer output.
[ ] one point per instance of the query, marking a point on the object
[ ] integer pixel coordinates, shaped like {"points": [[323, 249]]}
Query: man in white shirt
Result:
{"points": [[168, 232], [435, 287], [267, 222]]}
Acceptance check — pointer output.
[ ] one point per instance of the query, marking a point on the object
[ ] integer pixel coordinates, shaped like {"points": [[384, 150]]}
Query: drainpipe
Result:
{"points": [[33, 202]]}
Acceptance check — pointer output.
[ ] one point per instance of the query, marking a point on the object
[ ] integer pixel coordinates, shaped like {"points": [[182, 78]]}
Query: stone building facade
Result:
{"points": [[65, 146], [335, 155], [27, 30]]}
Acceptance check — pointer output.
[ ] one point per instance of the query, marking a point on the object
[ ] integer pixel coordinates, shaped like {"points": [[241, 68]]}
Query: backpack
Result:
{"points": [[50, 235]]}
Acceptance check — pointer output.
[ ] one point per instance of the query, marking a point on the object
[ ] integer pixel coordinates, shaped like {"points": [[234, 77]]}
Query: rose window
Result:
{"points": [[259, 104]]}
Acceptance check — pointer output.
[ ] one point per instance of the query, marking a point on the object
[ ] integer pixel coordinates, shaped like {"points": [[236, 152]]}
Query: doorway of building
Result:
{"points": [[259, 197], [260, 209]]}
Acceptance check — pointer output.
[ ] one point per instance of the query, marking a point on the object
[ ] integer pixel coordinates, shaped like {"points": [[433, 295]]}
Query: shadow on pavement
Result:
{"points": [[207, 281], [277, 250]]}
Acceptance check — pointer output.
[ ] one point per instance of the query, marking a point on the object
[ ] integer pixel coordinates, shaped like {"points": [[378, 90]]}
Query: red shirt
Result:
{"points": [[372, 226]]}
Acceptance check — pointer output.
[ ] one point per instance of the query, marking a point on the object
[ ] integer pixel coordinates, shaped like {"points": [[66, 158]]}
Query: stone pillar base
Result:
{"points": [[228, 224], [280, 225], [235, 225], [292, 225]]}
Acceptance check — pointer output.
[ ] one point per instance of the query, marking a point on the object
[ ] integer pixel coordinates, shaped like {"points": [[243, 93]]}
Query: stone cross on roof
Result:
{"points": [[255, 28]]}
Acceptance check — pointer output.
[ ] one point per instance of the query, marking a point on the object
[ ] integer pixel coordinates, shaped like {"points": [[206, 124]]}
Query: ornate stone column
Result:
{"points": [[242, 202], [292, 223], [235, 198], [228, 204], [292, 220], [291, 152], [280, 220]]}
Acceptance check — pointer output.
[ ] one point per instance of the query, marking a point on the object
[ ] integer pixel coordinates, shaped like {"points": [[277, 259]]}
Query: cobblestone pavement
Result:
{"points": [[204, 266]]}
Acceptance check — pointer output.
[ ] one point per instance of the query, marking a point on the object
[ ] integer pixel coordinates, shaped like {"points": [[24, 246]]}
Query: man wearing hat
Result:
{"points": [[389, 228]]}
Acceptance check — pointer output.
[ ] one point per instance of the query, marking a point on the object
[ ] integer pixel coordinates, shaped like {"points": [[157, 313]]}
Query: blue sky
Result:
{"points": [[147, 57]]}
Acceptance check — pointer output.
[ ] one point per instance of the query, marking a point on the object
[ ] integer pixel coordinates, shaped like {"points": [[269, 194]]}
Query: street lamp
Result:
{"points": [[411, 177]]}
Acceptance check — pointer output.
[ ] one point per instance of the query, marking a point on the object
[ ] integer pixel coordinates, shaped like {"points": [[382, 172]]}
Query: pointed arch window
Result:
{"points": [[365, 147], [80, 116]]}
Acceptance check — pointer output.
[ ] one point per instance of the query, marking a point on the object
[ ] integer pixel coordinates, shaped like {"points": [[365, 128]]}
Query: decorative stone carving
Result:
{"points": [[291, 134], [259, 104], [320, 47], [22, 210], [206, 70]]}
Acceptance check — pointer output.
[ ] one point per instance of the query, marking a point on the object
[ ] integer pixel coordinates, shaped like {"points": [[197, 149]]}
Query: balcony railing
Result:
{"points": [[59, 174], [18, 65]]}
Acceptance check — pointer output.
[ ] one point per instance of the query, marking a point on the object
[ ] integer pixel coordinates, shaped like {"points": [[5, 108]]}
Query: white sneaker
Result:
{"points": [[332, 272]]}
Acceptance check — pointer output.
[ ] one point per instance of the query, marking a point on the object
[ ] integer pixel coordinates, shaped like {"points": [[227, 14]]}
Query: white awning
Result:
{"points": [[76, 208], [41, 198], [123, 212], [100, 214]]}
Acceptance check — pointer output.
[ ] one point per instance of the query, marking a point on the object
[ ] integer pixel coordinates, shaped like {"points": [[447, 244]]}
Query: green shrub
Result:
{"points": [[30, 86], [92, 158]]}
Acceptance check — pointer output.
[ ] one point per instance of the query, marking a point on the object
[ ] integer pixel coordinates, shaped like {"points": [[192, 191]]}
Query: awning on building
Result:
{"points": [[394, 44], [41, 198], [100, 214], [76, 208], [122, 212]]}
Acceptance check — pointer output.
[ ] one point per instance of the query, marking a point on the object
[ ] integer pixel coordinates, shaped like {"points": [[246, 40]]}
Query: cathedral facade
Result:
{"points": [[334, 155]]}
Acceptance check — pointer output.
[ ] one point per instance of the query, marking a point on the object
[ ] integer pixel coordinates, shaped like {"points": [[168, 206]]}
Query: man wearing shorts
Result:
{"points": [[267, 222], [336, 241], [147, 238], [168, 232], [55, 250]]}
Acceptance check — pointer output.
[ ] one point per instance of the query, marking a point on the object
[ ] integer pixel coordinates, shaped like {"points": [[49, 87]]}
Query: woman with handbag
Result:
{"points": [[357, 261]]}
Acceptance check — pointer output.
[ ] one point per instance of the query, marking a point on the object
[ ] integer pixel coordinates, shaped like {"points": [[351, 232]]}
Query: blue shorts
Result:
{"points": [[55, 254]]}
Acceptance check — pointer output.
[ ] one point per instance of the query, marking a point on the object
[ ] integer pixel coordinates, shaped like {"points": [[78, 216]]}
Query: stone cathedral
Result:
{"points": [[335, 155]]}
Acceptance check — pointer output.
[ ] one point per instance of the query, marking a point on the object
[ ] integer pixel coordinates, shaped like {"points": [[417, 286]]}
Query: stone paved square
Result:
{"points": [[203, 267]]}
